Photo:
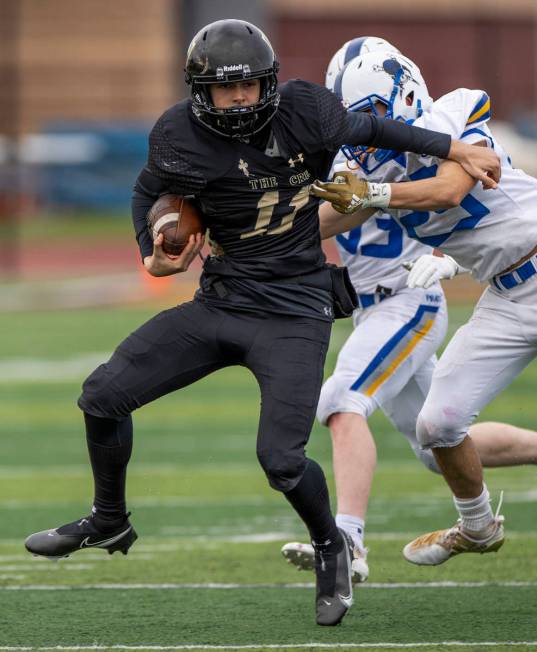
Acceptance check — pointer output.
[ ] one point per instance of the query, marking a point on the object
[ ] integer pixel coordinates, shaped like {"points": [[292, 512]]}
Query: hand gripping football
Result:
{"points": [[177, 219]]}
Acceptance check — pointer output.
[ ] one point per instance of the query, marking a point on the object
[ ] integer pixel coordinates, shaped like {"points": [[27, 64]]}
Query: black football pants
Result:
{"points": [[179, 346]]}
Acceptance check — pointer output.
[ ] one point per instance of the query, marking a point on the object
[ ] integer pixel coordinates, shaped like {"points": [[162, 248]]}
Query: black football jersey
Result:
{"points": [[255, 197], [256, 202]]}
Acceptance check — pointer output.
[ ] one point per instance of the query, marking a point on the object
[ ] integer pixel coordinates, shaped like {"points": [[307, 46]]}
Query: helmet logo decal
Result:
{"points": [[221, 71], [395, 69]]}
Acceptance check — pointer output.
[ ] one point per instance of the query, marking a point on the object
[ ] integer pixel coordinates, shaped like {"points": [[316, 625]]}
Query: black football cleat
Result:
{"points": [[334, 584], [79, 535]]}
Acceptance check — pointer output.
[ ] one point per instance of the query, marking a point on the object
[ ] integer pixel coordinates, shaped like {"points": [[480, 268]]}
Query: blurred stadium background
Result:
{"points": [[81, 83]]}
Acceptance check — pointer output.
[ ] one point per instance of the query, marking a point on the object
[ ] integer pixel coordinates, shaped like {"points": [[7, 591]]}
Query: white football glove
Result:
{"points": [[428, 269]]}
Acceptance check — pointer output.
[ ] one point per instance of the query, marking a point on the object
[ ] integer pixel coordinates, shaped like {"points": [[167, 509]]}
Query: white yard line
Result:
{"points": [[417, 501], [169, 586], [41, 567], [49, 370], [23, 557], [152, 501], [140, 468], [188, 542], [83, 292], [287, 646]]}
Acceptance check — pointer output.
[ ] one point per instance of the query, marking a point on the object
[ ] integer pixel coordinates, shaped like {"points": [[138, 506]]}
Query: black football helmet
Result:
{"points": [[230, 51]]}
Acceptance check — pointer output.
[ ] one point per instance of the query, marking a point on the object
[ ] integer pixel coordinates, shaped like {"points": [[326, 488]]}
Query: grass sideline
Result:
{"points": [[206, 517]]}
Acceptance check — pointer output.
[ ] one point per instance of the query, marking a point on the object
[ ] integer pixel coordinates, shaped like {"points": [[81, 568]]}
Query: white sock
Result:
{"points": [[354, 527], [476, 513]]}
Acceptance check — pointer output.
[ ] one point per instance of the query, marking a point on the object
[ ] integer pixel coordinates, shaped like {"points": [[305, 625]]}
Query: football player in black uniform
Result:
{"points": [[247, 151]]}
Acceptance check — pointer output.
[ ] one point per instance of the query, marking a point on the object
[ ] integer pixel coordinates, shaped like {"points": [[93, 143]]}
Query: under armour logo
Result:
{"points": [[299, 159], [327, 311], [243, 167]]}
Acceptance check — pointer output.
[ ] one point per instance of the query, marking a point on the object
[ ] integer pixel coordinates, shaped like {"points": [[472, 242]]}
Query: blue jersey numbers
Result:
{"points": [[466, 216], [392, 248]]}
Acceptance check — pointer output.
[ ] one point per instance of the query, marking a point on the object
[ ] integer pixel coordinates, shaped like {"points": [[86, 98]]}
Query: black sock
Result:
{"points": [[311, 502], [109, 445]]}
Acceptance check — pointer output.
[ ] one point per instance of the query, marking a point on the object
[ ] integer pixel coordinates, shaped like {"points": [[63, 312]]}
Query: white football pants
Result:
{"points": [[388, 362], [483, 357]]}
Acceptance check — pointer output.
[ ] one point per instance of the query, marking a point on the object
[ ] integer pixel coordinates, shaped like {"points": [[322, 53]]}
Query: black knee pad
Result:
{"points": [[101, 399], [283, 468]]}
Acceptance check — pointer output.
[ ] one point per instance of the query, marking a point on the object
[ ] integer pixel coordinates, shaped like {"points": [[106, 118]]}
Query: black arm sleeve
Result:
{"points": [[339, 127], [169, 164], [146, 192], [365, 129], [167, 171]]}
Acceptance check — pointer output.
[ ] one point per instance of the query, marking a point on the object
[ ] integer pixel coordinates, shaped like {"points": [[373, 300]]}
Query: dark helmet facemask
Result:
{"points": [[230, 51]]}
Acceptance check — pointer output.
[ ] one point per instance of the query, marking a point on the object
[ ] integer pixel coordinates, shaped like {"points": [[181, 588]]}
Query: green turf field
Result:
{"points": [[206, 572]]}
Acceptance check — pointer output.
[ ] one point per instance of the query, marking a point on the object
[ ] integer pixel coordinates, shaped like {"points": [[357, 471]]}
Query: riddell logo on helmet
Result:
{"points": [[236, 67]]}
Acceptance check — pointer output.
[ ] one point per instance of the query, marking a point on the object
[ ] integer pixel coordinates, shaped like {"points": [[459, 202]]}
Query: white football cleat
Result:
{"points": [[359, 567], [302, 556], [437, 547]]}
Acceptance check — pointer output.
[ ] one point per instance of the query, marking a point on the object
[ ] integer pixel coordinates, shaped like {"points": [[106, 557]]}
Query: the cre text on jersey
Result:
{"points": [[263, 183], [299, 178]]}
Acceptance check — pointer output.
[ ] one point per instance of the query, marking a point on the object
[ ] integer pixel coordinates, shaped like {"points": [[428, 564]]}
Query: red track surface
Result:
{"points": [[62, 261]]}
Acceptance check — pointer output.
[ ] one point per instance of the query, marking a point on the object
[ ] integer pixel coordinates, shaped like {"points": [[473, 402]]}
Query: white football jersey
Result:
{"points": [[374, 253], [490, 230]]}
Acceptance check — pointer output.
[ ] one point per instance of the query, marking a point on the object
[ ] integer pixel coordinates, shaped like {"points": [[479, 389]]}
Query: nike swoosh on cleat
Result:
{"points": [[85, 542], [346, 600], [327, 603]]}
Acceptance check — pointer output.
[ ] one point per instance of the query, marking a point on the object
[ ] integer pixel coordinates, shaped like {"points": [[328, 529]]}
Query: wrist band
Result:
{"points": [[379, 195]]}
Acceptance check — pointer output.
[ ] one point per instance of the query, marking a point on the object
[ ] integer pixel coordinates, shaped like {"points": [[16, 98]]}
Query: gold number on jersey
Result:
{"points": [[266, 206], [299, 200]]}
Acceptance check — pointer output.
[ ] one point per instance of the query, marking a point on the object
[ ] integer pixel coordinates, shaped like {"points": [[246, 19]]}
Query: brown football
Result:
{"points": [[177, 219]]}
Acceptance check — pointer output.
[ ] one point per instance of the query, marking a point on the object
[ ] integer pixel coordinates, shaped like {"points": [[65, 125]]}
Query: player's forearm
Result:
{"points": [[427, 195], [391, 134], [331, 222], [445, 190]]}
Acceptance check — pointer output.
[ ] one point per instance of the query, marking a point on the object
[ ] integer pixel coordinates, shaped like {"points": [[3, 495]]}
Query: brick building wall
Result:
{"points": [[98, 60], [495, 53], [123, 60]]}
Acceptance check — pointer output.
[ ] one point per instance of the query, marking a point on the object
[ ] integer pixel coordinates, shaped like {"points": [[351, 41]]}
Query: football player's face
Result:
{"points": [[242, 93], [380, 108]]}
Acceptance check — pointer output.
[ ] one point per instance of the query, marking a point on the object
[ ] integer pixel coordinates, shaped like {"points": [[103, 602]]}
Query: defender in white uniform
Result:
{"points": [[493, 234], [393, 341], [388, 360]]}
